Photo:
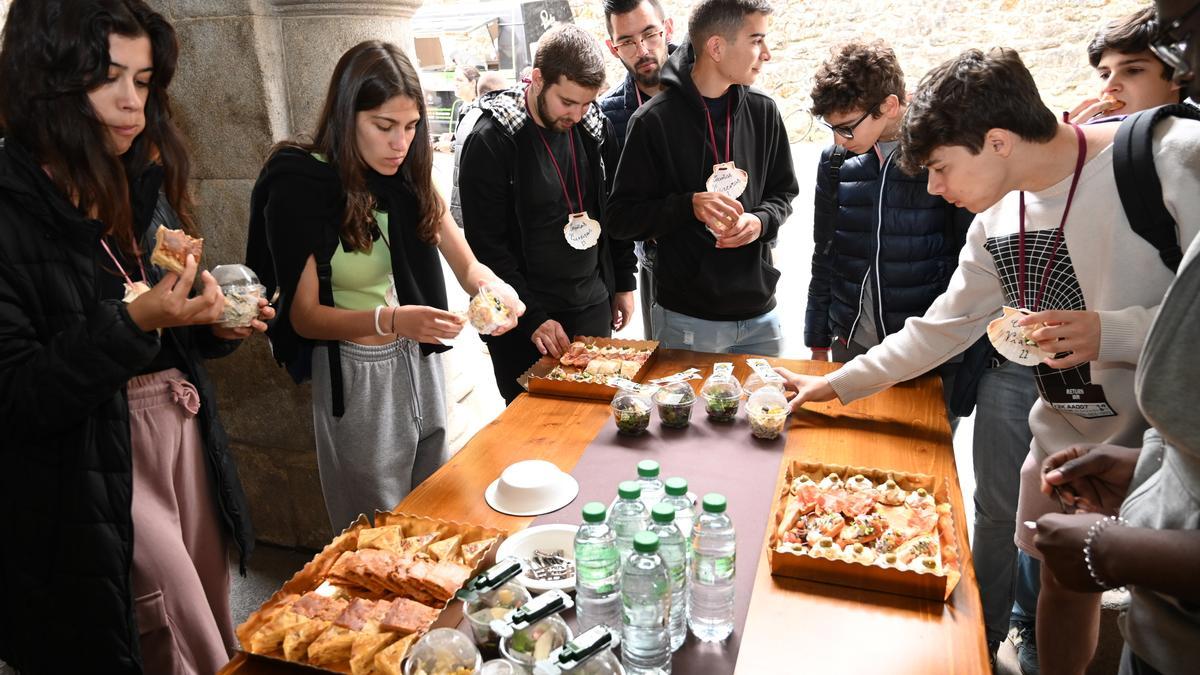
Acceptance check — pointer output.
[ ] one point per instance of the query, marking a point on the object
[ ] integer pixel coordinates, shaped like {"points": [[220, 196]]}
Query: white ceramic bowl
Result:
{"points": [[540, 538], [531, 487]]}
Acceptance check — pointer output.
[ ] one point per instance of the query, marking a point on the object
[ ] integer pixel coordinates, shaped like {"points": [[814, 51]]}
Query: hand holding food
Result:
{"points": [[172, 247], [1077, 332], [746, 229], [1091, 108], [423, 324], [257, 325], [717, 211], [495, 308], [550, 338], [167, 305]]}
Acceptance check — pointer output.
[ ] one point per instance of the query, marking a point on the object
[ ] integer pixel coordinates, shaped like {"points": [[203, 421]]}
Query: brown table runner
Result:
{"points": [[713, 457]]}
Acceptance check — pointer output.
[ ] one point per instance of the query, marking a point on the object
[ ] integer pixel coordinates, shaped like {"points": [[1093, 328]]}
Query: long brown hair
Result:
{"points": [[53, 53], [367, 76]]}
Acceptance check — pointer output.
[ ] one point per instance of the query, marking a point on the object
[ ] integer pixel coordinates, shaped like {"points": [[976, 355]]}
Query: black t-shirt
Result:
{"points": [[560, 277], [718, 108]]}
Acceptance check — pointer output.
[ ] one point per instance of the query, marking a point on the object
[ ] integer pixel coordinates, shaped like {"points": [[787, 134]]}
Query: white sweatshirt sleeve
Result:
{"points": [[1177, 160], [951, 324]]}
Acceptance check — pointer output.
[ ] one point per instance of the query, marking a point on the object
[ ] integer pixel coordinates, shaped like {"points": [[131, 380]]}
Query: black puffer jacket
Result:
{"points": [[66, 534], [911, 251]]}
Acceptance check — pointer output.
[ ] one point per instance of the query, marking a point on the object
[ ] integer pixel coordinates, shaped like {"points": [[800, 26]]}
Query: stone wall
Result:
{"points": [[1051, 36]]}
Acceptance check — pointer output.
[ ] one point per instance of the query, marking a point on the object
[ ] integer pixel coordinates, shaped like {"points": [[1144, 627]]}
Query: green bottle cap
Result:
{"points": [[594, 512], [645, 542], [676, 487], [647, 468], [629, 490], [663, 513], [714, 503]]}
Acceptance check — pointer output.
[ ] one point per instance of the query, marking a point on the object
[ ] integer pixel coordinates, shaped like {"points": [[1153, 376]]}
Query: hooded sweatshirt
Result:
{"points": [[667, 158]]}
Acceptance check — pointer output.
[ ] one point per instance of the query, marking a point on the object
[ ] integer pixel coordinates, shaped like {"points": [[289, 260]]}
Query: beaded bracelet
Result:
{"points": [[1092, 535]]}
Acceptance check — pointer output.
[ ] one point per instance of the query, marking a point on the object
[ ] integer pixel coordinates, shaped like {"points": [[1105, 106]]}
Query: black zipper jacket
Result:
{"points": [[667, 158], [492, 215], [66, 481]]}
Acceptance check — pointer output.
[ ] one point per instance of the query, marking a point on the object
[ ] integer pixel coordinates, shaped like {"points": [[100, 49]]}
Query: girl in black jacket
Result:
{"points": [[118, 495], [349, 228]]}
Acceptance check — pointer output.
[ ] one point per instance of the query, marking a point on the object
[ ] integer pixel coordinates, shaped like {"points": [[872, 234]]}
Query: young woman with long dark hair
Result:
{"points": [[118, 495], [349, 227]]}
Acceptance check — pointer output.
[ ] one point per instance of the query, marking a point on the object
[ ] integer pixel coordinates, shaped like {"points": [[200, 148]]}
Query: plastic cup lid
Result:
{"points": [[234, 275], [663, 513], [714, 503], [645, 542], [647, 468], [676, 487], [594, 512]]}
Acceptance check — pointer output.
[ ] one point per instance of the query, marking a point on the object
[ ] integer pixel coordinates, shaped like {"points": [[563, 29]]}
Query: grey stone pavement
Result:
{"points": [[272, 566]]}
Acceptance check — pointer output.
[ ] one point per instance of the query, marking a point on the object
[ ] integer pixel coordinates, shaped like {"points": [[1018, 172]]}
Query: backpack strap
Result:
{"points": [[1138, 183], [836, 158]]}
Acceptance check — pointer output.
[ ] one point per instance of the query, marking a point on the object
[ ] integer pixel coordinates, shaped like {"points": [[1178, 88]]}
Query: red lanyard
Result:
{"points": [[1058, 235], [118, 264], [561, 180], [712, 134], [639, 94]]}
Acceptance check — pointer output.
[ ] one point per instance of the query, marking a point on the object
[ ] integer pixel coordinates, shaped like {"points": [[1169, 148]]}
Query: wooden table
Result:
{"points": [[792, 625]]}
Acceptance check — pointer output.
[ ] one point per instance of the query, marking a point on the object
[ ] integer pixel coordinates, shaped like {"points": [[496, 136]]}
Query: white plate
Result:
{"points": [[544, 537], [563, 495]]}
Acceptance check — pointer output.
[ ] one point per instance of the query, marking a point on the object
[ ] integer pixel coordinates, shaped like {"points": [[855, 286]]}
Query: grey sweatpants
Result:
{"points": [[392, 435]]}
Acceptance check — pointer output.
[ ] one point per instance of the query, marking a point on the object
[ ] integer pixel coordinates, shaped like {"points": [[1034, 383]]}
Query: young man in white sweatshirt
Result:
{"points": [[1051, 237]]}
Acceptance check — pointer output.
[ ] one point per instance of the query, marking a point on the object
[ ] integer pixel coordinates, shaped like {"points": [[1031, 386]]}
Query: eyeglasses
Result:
{"points": [[847, 130], [652, 39], [1171, 47]]}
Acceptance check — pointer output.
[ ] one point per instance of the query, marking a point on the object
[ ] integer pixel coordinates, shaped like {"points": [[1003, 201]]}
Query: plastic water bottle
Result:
{"points": [[672, 548], [652, 487], [597, 571], [710, 583], [645, 609], [677, 496], [629, 516]]}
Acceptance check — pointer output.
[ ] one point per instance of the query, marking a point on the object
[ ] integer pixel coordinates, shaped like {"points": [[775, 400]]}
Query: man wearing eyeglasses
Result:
{"points": [[707, 173], [885, 249], [639, 34]]}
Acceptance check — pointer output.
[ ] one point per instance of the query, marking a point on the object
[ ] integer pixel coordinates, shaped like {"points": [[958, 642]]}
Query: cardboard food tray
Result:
{"points": [[855, 574], [534, 380], [314, 573]]}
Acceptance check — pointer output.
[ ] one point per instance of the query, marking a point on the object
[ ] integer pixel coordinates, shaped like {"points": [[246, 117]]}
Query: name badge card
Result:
{"points": [[581, 231]]}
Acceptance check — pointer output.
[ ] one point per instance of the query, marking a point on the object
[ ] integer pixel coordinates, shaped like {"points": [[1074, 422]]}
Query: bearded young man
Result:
{"points": [[533, 188], [639, 34]]}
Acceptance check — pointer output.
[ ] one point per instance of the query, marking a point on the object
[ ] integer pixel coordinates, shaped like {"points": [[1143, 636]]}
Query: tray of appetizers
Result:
{"points": [[363, 601], [584, 369], [866, 528]]}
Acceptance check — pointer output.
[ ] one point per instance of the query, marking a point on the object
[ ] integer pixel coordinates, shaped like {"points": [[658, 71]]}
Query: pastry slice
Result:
{"points": [[362, 653], [406, 617], [332, 646], [444, 549], [386, 538], [387, 661], [298, 639], [411, 546], [268, 637], [473, 552], [171, 249]]}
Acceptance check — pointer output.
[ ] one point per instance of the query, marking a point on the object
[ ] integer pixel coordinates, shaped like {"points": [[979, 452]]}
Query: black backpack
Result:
{"points": [[1138, 183]]}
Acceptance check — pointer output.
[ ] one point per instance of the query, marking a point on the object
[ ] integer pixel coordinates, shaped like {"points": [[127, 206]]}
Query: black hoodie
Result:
{"points": [[667, 159]]}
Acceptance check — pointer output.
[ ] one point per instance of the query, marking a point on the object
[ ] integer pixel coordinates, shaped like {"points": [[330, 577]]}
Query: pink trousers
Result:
{"points": [[180, 556]]}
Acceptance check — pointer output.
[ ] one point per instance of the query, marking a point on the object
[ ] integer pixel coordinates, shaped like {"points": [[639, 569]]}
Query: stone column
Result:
{"points": [[251, 73]]}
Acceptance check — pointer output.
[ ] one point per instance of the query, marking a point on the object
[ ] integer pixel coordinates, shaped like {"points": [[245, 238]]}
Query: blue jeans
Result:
{"points": [[1002, 439], [760, 335]]}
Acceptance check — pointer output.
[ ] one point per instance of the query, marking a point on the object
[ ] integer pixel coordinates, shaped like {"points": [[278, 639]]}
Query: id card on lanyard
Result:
{"points": [[1067, 390], [581, 231]]}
